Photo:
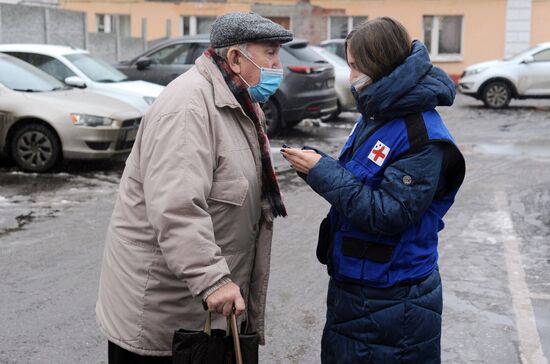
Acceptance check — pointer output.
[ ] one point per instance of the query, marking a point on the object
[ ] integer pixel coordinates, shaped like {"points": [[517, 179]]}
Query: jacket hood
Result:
{"points": [[414, 86]]}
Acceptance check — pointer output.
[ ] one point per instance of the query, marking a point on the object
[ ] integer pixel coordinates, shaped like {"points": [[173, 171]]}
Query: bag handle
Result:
{"points": [[208, 324], [231, 330]]}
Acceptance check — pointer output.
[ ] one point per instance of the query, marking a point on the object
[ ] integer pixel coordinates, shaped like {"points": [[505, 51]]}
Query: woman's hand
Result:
{"points": [[301, 160]]}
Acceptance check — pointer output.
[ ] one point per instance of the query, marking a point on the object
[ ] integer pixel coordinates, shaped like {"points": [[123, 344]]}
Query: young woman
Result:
{"points": [[395, 179]]}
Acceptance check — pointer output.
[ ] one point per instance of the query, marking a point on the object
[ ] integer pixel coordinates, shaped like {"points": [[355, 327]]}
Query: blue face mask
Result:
{"points": [[270, 80]]}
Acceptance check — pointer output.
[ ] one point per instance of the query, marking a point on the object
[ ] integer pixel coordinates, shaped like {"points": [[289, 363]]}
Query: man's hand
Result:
{"points": [[224, 298], [301, 160]]}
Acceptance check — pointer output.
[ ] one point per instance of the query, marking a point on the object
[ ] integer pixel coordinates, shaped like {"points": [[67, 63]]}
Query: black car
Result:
{"points": [[307, 90]]}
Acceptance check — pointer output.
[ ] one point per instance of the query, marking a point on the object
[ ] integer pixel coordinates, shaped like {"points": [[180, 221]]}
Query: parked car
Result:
{"points": [[78, 68], [341, 81], [42, 120], [525, 75], [307, 90], [335, 46]]}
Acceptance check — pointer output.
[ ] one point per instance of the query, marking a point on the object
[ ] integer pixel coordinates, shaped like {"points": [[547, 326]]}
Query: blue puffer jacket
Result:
{"points": [[413, 87], [400, 324]]}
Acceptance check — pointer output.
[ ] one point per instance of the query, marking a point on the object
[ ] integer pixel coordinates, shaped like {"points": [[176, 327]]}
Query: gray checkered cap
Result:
{"points": [[238, 28]]}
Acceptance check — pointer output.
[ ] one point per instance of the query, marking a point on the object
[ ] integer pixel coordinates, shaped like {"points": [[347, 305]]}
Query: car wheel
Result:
{"points": [[497, 95], [35, 148], [272, 117]]}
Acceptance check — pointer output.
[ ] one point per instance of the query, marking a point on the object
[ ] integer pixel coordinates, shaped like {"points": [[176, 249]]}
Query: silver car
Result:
{"points": [[346, 102], [43, 121]]}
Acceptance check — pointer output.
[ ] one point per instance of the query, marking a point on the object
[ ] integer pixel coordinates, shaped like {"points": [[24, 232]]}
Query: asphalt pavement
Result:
{"points": [[494, 250]]}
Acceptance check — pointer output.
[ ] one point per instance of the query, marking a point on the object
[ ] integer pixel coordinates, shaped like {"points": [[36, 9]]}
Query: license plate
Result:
{"points": [[131, 135]]}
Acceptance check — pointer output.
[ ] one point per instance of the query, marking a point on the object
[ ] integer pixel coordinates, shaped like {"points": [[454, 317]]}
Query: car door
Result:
{"points": [[167, 63], [535, 75]]}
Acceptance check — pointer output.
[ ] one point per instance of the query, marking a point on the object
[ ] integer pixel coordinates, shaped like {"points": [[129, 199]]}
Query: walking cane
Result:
{"points": [[236, 341]]}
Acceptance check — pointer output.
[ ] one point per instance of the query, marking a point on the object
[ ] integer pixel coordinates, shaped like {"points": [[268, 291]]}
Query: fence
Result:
{"points": [[46, 25]]}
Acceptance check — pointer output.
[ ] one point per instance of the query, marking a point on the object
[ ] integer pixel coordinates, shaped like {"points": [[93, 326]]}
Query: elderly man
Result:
{"points": [[194, 214]]}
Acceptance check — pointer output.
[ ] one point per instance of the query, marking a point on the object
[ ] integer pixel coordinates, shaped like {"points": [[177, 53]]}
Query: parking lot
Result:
{"points": [[494, 252]]}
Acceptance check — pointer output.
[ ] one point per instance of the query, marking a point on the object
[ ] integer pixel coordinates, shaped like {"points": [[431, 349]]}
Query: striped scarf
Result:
{"points": [[270, 187]]}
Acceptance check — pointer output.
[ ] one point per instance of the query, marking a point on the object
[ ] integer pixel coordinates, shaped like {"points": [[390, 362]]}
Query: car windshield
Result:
{"points": [[331, 57], [20, 76], [96, 69], [520, 54]]}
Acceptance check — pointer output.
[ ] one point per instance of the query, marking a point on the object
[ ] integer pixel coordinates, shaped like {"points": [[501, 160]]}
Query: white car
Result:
{"points": [[525, 75], [341, 80], [78, 68]]}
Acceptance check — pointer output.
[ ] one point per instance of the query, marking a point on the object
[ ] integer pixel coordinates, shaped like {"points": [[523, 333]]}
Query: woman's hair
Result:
{"points": [[378, 46]]}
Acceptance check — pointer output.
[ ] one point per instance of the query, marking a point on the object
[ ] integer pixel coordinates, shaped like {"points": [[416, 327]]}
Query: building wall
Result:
{"points": [[540, 21], [487, 29], [518, 26], [483, 23], [156, 13]]}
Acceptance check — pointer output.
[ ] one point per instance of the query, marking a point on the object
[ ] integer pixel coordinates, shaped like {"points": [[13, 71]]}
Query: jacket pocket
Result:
{"points": [[355, 258], [232, 192], [323, 242], [123, 284]]}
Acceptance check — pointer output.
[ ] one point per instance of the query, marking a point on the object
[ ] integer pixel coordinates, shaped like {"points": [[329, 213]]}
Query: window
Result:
{"points": [[543, 56], [303, 52], [96, 69], [21, 76], [336, 47], [198, 50], [192, 25], [103, 23], [185, 29], [124, 25], [172, 54], [204, 23], [340, 26], [443, 37], [50, 65]]}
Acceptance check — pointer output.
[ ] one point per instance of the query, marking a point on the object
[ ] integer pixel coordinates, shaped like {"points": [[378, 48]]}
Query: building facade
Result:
{"points": [[457, 33]]}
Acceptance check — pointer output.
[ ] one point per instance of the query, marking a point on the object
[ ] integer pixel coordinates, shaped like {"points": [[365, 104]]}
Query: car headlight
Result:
{"points": [[149, 99], [90, 120], [475, 71]]}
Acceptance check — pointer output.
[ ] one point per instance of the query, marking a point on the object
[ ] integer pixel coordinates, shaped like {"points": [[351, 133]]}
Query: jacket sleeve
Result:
{"points": [[394, 204], [177, 174]]}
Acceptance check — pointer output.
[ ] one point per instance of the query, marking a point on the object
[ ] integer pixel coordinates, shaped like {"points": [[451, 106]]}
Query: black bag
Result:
{"points": [[215, 346]]}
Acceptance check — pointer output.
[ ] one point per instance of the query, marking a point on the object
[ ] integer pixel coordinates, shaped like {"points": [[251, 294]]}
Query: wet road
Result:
{"points": [[494, 252]]}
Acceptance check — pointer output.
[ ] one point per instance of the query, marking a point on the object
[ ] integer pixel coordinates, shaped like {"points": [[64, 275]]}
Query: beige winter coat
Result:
{"points": [[188, 213]]}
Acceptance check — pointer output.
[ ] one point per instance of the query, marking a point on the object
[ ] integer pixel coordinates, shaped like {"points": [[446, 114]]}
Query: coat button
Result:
{"points": [[407, 180]]}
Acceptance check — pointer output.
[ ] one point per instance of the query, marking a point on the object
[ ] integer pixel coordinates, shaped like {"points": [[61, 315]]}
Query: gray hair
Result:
{"points": [[223, 51]]}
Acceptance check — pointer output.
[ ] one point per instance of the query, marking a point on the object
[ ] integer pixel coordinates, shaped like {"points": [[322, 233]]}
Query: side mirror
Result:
{"points": [[529, 59], [75, 81], [143, 63]]}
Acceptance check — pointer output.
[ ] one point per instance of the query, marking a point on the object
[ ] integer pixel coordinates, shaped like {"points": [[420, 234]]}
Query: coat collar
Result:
{"points": [[222, 94]]}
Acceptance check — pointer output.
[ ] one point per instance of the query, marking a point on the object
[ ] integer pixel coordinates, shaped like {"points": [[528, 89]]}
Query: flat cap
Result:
{"points": [[237, 28]]}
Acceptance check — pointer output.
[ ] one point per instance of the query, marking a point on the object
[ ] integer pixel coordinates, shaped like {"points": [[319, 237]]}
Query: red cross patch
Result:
{"points": [[379, 153]]}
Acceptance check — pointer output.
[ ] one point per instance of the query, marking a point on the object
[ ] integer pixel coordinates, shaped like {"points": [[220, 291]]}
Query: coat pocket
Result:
{"points": [[232, 192]]}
